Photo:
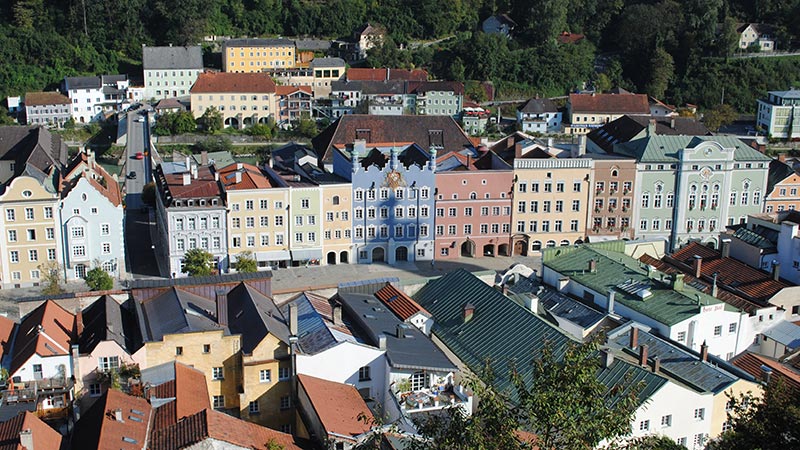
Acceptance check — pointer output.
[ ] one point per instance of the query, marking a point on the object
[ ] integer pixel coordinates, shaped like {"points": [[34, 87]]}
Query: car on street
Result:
{"points": [[139, 155], [132, 175]]}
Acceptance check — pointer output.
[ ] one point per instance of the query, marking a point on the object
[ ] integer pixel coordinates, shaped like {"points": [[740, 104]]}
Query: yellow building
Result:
{"points": [[550, 201], [257, 55], [30, 229], [719, 414], [257, 217], [243, 99], [337, 243]]}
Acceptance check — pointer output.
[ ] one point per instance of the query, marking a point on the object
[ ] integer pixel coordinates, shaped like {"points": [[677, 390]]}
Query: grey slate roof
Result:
{"points": [[665, 148], [627, 128], [253, 315], [107, 320], [785, 333], [319, 63], [755, 239], [32, 148], [414, 351], [778, 171], [503, 332], [313, 335], [83, 83], [570, 309], [189, 57], [538, 106], [681, 364], [178, 311], [259, 42]]}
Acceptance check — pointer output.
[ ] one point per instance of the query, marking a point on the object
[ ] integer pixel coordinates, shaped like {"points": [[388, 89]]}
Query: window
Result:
{"points": [[78, 251], [283, 373], [51, 254], [644, 425], [206, 348], [28, 213], [106, 248], [681, 441], [10, 216], [253, 408], [219, 401], [576, 205], [265, 376], [560, 187], [363, 374], [645, 200], [699, 413], [95, 390], [681, 336], [108, 363], [105, 229], [178, 351], [718, 330], [12, 235], [576, 186], [217, 373], [48, 212], [77, 232], [666, 421], [699, 439]]}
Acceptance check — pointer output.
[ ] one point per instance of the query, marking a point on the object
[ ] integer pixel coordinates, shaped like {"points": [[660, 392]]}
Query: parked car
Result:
{"points": [[139, 155], [132, 175]]}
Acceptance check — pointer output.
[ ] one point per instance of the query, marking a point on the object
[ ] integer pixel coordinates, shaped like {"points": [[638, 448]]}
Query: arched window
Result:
{"points": [[473, 196], [335, 200]]}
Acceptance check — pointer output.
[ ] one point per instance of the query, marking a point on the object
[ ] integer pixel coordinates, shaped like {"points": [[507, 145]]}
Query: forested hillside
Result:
{"points": [[673, 49]]}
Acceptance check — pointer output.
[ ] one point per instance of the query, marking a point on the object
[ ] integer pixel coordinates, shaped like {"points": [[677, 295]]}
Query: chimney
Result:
{"points": [[238, 177], [611, 295], [518, 150], [776, 270], [221, 300], [216, 176], [592, 266], [581, 145], [677, 282], [292, 319], [79, 322], [118, 415], [239, 166], [704, 351], [382, 341], [697, 265], [194, 171], [204, 158], [469, 311], [505, 289], [26, 439], [549, 143], [607, 358], [726, 248], [634, 337], [187, 178], [188, 162], [651, 128], [337, 314], [782, 157], [766, 373], [714, 286], [401, 331], [672, 123], [643, 355], [656, 364]]}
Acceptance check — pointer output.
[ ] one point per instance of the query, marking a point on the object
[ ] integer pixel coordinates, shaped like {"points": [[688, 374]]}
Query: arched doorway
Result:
{"points": [[521, 247], [565, 243], [343, 257], [551, 244], [401, 254], [263, 120], [488, 250], [536, 246], [579, 242], [331, 257], [248, 121], [468, 248], [232, 122], [502, 250], [378, 254]]}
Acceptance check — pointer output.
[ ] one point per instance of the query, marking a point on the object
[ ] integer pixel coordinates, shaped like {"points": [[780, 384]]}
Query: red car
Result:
{"points": [[139, 155]]}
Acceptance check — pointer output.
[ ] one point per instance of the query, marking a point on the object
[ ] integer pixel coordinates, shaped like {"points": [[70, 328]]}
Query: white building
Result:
{"points": [[170, 71], [41, 346], [779, 114], [86, 94], [539, 115]]}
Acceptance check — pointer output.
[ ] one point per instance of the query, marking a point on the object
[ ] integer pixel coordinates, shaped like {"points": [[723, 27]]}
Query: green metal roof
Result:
{"points": [[502, 332], [665, 148], [614, 269]]}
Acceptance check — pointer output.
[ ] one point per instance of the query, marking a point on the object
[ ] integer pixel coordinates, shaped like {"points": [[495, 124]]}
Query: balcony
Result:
{"points": [[431, 399]]}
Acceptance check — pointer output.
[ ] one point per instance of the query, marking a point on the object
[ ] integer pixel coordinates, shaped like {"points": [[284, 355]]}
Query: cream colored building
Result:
{"points": [[337, 243], [550, 202], [257, 217], [258, 55], [320, 73], [243, 99], [266, 375]]}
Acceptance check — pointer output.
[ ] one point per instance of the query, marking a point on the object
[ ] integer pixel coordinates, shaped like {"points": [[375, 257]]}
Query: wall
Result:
{"points": [[50, 367], [270, 354], [719, 413], [165, 83]]}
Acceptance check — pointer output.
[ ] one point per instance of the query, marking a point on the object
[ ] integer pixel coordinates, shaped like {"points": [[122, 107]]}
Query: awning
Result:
{"points": [[275, 255], [306, 253]]}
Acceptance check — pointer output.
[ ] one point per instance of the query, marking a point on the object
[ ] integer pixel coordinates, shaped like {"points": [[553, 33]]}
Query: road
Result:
{"points": [[137, 137]]}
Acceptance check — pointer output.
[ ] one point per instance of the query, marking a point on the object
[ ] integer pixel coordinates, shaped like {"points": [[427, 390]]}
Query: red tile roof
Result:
{"points": [[190, 391], [204, 186], [244, 83], [399, 303], [98, 427], [732, 274], [569, 38], [6, 329], [75, 171], [252, 178], [53, 338], [338, 406], [215, 425], [46, 98], [287, 90], [609, 103], [43, 436], [357, 74], [751, 363]]}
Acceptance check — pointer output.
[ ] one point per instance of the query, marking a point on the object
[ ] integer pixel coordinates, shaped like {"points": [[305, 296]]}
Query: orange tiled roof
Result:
{"points": [[252, 178], [732, 274], [360, 74], [99, 428], [6, 329], [399, 303], [75, 171], [54, 337], [337, 405], [609, 103], [204, 186], [190, 391], [213, 82], [43, 436], [751, 363], [287, 90]]}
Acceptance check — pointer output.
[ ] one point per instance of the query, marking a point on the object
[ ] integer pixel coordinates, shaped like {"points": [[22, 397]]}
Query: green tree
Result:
{"points": [[99, 280], [184, 123], [198, 263], [661, 72], [245, 262], [719, 116], [211, 120], [305, 127], [51, 275], [149, 194], [474, 91], [768, 422], [567, 406]]}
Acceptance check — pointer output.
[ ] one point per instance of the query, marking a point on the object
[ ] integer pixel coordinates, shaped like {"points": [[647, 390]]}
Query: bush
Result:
{"points": [[99, 280]]}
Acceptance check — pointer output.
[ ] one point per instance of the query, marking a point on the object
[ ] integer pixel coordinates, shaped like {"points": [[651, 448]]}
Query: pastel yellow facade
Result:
{"points": [[720, 413], [31, 235], [337, 243], [241, 109], [211, 352], [266, 399], [257, 223], [257, 55]]}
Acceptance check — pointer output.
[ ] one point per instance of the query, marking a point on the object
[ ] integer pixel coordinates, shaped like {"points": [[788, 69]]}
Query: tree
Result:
{"points": [[99, 280], [149, 194], [245, 262], [211, 120], [720, 116], [566, 405], [51, 275], [661, 72], [198, 263], [305, 127], [184, 123], [770, 422]]}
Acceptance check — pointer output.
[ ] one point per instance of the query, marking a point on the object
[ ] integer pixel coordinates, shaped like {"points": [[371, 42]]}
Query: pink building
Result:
{"points": [[473, 205]]}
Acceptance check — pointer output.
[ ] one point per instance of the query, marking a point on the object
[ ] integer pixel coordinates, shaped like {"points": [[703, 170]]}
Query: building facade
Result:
{"points": [[539, 115], [170, 71], [257, 55], [589, 111], [243, 99], [782, 187], [320, 73], [779, 114], [611, 198], [47, 108], [86, 94], [293, 104]]}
